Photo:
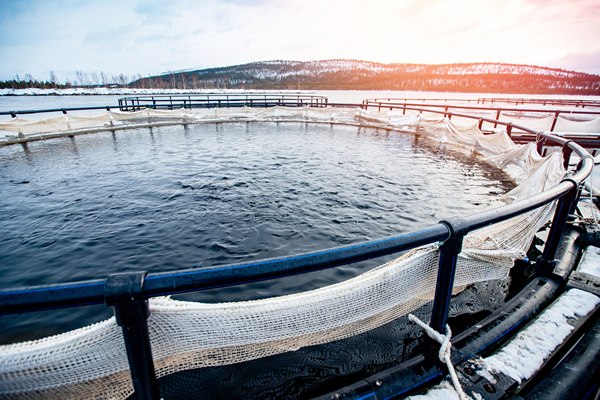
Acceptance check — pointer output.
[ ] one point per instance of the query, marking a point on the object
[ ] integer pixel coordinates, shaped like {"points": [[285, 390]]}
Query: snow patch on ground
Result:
{"points": [[590, 262], [525, 354], [444, 391]]}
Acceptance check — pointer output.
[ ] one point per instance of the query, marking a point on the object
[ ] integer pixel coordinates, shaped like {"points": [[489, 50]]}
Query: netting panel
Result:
{"points": [[91, 362]]}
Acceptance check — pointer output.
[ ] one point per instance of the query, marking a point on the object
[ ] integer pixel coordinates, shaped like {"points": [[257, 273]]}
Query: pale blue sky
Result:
{"points": [[149, 37]]}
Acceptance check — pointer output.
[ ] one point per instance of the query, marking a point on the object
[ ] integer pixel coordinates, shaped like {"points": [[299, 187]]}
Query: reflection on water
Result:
{"points": [[194, 196]]}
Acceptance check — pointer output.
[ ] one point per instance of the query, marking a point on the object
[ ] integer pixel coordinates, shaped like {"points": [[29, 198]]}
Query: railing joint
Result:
{"points": [[458, 228], [546, 268]]}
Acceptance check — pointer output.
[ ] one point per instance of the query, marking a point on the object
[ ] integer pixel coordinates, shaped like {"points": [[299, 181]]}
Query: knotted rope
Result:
{"points": [[444, 354]]}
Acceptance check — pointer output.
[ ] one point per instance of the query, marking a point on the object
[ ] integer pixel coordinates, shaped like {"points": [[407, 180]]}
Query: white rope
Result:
{"points": [[444, 354]]}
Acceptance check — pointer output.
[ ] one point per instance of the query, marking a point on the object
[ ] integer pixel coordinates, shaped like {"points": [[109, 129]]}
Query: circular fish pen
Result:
{"points": [[298, 336]]}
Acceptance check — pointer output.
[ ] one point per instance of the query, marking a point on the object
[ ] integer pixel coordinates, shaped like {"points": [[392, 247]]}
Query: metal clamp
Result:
{"points": [[125, 292], [568, 179], [458, 228]]}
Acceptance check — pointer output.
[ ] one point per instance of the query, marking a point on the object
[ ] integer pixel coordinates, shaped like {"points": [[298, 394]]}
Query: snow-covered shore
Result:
{"points": [[127, 91]]}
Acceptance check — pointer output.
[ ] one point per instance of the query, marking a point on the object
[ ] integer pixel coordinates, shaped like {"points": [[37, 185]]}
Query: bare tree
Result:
{"points": [[123, 79], [140, 81], [29, 80], [53, 79], [78, 78], [95, 79], [103, 77]]}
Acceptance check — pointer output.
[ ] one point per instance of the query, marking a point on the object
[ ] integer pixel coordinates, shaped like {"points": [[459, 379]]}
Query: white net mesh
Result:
{"points": [[73, 124], [91, 362]]}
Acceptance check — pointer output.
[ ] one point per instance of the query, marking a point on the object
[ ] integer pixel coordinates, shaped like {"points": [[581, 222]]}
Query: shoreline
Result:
{"points": [[34, 92]]}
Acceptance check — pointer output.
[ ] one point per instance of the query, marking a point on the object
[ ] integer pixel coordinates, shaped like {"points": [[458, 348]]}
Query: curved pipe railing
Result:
{"points": [[63, 110], [212, 100], [157, 284], [493, 100], [484, 100], [553, 102], [127, 293], [498, 110], [160, 284], [208, 100]]}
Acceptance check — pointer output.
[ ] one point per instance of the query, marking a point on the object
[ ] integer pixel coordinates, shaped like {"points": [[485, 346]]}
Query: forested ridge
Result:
{"points": [[363, 75]]}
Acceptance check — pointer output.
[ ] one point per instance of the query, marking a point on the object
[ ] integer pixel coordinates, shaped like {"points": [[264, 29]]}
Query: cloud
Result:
{"points": [[418, 7], [581, 62], [248, 3], [150, 36]]}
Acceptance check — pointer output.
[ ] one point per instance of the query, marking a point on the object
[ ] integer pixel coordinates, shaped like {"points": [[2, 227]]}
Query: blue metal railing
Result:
{"points": [[208, 100], [218, 100], [127, 293], [497, 100], [386, 103]]}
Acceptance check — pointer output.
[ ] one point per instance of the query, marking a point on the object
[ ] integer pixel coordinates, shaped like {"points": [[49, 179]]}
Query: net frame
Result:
{"points": [[92, 360]]}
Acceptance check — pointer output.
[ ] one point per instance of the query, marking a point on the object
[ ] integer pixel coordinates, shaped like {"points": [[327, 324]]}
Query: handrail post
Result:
{"points": [[449, 252], [559, 222], [567, 151], [554, 121], [540, 146], [125, 292]]}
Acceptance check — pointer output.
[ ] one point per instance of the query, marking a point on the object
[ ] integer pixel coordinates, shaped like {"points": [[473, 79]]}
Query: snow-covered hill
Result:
{"points": [[357, 74]]}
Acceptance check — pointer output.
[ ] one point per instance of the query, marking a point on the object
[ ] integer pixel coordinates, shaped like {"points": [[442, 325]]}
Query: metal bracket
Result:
{"points": [[547, 269], [583, 281], [125, 292], [475, 383], [458, 228]]}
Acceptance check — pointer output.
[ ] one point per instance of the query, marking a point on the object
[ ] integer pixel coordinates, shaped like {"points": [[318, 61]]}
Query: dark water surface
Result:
{"points": [[179, 197]]}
